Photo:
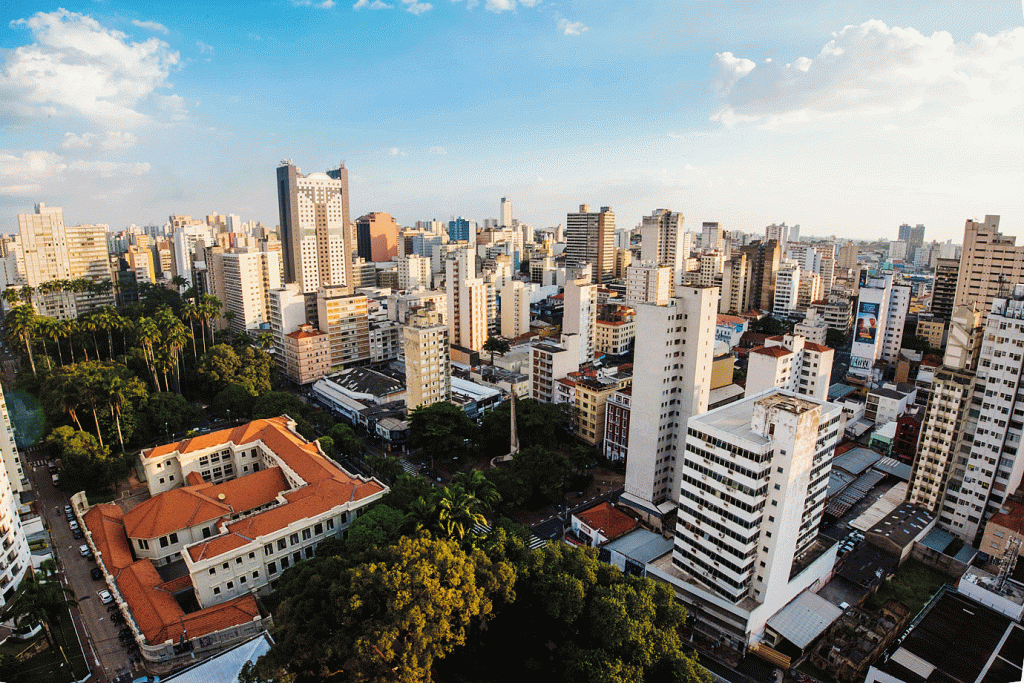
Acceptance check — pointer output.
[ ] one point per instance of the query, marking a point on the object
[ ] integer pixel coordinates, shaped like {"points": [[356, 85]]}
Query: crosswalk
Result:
{"points": [[534, 544]]}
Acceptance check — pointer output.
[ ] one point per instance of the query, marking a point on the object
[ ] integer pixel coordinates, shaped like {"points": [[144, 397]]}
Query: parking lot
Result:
{"points": [[104, 651]]}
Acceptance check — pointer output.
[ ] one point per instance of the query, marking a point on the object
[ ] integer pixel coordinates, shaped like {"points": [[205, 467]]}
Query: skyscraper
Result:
{"points": [[580, 314], [947, 271], [428, 372], [17, 558], [590, 238], [467, 300], [990, 262], [506, 213], [377, 237], [676, 342], [316, 239], [664, 242], [44, 257]]}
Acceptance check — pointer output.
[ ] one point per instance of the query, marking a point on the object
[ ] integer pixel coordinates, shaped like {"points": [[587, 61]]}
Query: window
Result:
{"points": [[252, 556], [256, 575], [318, 529], [213, 570], [282, 544], [272, 568], [226, 565], [330, 524], [242, 579], [231, 584], [163, 542], [268, 549], [174, 538], [294, 538], [284, 563], [216, 590]]}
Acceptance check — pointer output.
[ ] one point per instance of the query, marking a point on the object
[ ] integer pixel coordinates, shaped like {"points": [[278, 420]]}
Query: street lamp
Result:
{"points": [[167, 432]]}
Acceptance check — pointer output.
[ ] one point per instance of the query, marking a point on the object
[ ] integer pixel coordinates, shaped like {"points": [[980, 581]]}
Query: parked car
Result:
{"points": [[96, 573], [73, 524], [77, 534], [83, 550], [105, 597]]}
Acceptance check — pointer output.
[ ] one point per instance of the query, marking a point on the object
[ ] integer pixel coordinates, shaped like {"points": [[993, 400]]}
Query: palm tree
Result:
{"points": [[39, 601], [148, 334], [496, 345], [422, 513], [190, 313], [88, 323], [49, 328], [458, 512], [67, 392], [94, 383], [119, 392], [174, 336], [178, 282], [264, 340], [11, 296], [209, 306], [477, 485], [21, 323], [26, 294]]}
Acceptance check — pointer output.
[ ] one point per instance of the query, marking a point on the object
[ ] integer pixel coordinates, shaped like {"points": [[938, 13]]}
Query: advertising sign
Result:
{"points": [[867, 323]]}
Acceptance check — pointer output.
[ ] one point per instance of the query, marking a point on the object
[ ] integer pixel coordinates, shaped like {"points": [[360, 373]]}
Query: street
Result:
{"points": [[105, 654]]}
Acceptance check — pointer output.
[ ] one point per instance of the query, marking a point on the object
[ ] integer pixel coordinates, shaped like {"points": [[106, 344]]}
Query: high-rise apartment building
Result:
{"points": [[672, 383], [664, 242], [712, 236], [17, 558], [467, 300], [947, 271], [89, 260], [913, 236], [414, 272], [345, 318], [306, 354], [140, 259], [980, 482], [647, 282], [287, 310], [735, 297], [763, 259], [462, 230], [754, 477], [377, 237], [880, 316], [248, 279], [44, 257], [787, 288], [951, 415], [580, 315], [316, 237], [515, 309], [506, 213], [590, 238], [847, 256], [989, 265], [428, 374], [792, 363]]}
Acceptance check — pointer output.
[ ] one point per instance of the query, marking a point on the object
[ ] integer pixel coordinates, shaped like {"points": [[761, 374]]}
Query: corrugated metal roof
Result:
{"points": [[805, 618]]}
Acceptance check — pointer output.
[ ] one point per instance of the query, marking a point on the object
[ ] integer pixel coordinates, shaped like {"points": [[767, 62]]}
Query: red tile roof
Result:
{"points": [[609, 520], [811, 346], [730, 319], [105, 523], [1012, 520], [194, 505], [774, 351]]}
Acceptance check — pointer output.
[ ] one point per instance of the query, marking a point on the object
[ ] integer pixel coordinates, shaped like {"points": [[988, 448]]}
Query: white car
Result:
{"points": [[105, 597], [83, 549]]}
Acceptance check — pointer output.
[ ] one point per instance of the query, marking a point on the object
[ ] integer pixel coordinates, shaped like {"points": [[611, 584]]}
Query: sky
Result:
{"points": [[848, 118]]}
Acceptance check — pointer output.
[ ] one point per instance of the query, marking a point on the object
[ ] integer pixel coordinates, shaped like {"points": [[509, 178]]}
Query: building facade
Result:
{"points": [[590, 238]]}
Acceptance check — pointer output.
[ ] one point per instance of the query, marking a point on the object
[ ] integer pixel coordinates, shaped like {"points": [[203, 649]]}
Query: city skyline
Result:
{"points": [[748, 116]]}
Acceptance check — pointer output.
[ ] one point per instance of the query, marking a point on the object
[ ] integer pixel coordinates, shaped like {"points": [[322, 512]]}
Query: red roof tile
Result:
{"points": [[774, 351], [106, 526], [609, 520], [811, 346]]}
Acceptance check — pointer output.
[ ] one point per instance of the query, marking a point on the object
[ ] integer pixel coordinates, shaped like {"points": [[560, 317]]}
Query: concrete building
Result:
{"points": [[385, 340], [735, 297], [43, 257], [402, 304], [947, 272], [506, 213], [787, 289], [813, 327], [550, 362], [792, 363], [515, 309], [467, 301], [880, 316], [848, 254], [615, 330], [616, 425], [140, 259], [17, 557], [647, 282], [248, 279], [989, 265], [590, 238], [185, 240], [591, 395], [16, 479], [306, 354], [286, 307], [671, 383], [344, 317], [580, 315], [316, 238], [377, 237], [89, 260], [427, 359], [763, 260], [664, 242], [712, 236], [414, 272], [754, 478]]}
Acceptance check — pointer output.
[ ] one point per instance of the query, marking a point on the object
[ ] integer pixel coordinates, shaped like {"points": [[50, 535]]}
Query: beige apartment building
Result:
{"points": [[427, 359], [307, 354], [990, 261], [344, 317], [592, 393]]}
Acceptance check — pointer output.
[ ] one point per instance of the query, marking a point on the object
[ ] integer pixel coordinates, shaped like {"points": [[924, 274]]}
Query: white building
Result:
{"points": [[672, 383], [664, 242], [9, 451], [287, 309], [550, 362], [580, 315], [43, 257], [787, 288], [881, 313], [813, 327], [754, 478], [649, 283], [185, 239], [16, 559], [467, 300], [414, 272], [792, 363], [515, 309], [249, 277]]}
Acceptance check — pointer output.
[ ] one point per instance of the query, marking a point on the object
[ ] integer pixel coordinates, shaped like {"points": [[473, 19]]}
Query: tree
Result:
{"points": [[234, 400], [480, 487], [496, 345], [386, 620], [538, 424], [385, 467], [346, 441], [274, 403], [167, 413], [20, 324], [121, 391], [40, 601], [380, 527], [441, 430]]}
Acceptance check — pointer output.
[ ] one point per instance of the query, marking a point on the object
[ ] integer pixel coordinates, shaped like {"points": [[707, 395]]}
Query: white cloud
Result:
{"points": [[529, 3], [499, 6], [110, 169], [874, 69], [109, 141], [204, 48], [572, 28], [416, 7], [173, 107], [23, 175], [376, 4], [396, 152], [76, 66], [150, 26], [436, 149], [470, 4], [326, 4]]}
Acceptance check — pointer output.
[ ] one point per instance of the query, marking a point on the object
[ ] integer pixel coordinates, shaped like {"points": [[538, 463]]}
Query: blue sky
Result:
{"points": [[867, 115]]}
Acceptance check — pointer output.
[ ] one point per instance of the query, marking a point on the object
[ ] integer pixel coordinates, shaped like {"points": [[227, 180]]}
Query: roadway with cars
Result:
{"points": [[104, 651]]}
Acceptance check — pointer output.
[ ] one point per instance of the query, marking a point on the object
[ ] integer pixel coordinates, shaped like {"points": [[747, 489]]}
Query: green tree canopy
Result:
{"points": [[222, 365], [441, 430], [538, 424]]}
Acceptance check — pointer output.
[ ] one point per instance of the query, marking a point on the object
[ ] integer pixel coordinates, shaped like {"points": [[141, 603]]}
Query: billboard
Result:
{"points": [[866, 329]]}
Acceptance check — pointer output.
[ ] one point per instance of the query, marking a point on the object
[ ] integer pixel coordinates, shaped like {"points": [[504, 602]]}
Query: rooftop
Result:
{"points": [[609, 520], [903, 525], [805, 618], [641, 545]]}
